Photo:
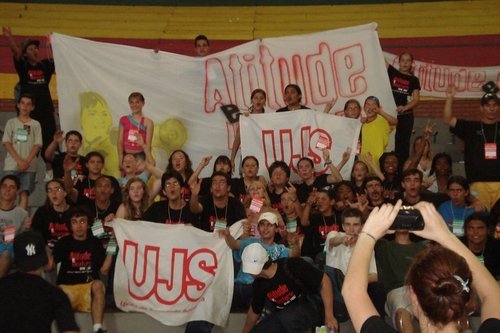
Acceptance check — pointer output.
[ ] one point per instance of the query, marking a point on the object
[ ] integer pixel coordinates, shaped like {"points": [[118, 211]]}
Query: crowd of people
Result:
{"points": [[300, 236]]}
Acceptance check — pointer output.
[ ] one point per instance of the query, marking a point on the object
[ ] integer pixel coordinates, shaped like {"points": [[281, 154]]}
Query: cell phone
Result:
{"points": [[408, 218]]}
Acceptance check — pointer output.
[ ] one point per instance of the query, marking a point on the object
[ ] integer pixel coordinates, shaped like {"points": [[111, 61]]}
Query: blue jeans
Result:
{"points": [[199, 326]]}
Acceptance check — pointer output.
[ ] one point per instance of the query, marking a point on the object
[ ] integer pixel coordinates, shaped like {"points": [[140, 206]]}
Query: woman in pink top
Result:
{"points": [[136, 131]]}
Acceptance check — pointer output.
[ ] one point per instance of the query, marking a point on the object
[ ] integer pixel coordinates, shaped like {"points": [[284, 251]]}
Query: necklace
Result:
{"points": [[180, 214]]}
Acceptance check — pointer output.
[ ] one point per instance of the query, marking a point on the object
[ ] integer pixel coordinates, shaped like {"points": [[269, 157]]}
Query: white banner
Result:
{"points": [[174, 273], [288, 136], [435, 78], [184, 94]]}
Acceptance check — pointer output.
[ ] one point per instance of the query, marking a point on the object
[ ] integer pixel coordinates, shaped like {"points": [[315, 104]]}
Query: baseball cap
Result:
{"points": [[488, 97], [29, 42], [29, 251], [253, 258], [269, 217]]}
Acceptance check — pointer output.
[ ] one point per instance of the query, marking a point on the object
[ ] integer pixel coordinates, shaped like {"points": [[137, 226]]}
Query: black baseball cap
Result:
{"points": [[488, 97], [29, 251]]}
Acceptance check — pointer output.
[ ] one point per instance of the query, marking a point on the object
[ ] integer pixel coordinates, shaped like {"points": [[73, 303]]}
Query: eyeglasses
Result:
{"points": [[172, 184], [78, 221]]}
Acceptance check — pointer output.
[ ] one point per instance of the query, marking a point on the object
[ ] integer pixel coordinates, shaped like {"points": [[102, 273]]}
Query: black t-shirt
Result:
{"points": [[98, 214], [376, 324], [35, 81], [233, 212], [477, 168], [30, 304], [286, 287], [402, 85], [315, 234], [51, 224], [80, 261], [275, 200], [490, 256], [285, 109], [159, 212], [239, 189], [57, 165], [86, 190], [303, 190]]}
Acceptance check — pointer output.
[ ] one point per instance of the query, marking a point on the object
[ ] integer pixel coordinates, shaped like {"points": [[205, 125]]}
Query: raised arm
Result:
{"points": [[52, 147], [334, 176], [447, 112], [390, 119], [203, 164], [194, 204], [355, 285], [306, 213], [236, 145], [16, 51]]}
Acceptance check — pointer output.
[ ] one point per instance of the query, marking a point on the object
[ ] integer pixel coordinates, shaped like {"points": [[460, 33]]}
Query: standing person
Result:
{"points": [[439, 280], [258, 99], [29, 303], [82, 258], [293, 98], [482, 146], [201, 46], [284, 284], [406, 92], [375, 131], [218, 210], [13, 220], [22, 138], [135, 131], [51, 219], [34, 78], [73, 142]]}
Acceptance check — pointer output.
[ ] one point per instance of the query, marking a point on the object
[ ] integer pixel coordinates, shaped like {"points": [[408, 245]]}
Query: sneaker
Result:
{"points": [[49, 175]]}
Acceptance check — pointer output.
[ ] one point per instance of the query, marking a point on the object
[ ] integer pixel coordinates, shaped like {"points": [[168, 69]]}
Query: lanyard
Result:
{"points": [[180, 214], [494, 137], [225, 213]]}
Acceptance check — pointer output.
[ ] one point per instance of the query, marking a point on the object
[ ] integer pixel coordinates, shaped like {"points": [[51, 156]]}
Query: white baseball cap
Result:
{"points": [[269, 217], [253, 259]]}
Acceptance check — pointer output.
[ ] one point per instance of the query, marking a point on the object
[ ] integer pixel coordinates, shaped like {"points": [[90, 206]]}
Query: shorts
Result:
{"points": [[398, 298], [79, 295], [26, 178]]}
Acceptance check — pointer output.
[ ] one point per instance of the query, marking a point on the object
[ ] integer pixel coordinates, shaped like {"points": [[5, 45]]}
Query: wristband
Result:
{"points": [[328, 163], [369, 235]]}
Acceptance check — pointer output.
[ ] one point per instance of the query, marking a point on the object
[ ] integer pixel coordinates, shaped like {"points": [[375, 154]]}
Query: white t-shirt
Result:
{"points": [[339, 256]]}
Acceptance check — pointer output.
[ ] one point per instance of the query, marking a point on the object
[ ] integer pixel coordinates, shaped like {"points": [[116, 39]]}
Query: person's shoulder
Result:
{"points": [[490, 325], [376, 324]]}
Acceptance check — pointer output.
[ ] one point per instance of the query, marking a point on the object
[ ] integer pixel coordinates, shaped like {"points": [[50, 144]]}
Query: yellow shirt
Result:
{"points": [[374, 138]]}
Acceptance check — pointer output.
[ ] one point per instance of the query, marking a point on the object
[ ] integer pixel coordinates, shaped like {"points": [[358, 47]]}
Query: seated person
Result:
{"points": [[82, 258], [339, 247], [267, 227]]}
